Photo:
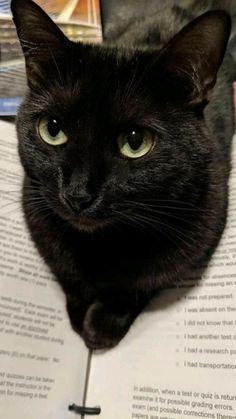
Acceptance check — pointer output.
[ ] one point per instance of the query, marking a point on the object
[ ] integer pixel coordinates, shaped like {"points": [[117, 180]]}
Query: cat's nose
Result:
{"points": [[79, 201]]}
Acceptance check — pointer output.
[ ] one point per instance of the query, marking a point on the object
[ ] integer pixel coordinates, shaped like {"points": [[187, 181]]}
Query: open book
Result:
{"points": [[177, 361]]}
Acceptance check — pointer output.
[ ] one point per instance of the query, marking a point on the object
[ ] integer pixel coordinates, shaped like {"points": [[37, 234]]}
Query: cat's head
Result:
{"points": [[105, 130]]}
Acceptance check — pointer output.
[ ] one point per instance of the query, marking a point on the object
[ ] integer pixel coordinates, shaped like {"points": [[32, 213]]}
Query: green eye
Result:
{"points": [[50, 131], [135, 143]]}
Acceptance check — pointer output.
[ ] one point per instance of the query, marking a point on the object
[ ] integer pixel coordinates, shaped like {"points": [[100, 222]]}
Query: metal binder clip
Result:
{"points": [[83, 410]]}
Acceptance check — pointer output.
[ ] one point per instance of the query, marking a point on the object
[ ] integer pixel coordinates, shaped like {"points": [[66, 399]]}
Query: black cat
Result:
{"points": [[126, 151]]}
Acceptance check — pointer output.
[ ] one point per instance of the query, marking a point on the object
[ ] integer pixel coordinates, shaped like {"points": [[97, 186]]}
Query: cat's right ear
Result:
{"points": [[189, 63], [40, 38]]}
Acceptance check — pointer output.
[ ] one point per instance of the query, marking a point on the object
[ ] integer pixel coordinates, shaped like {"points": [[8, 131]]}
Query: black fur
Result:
{"points": [[114, 230]]}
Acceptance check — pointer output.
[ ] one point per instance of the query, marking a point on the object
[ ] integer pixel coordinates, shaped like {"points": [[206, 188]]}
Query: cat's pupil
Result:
{"points": [[135, 139], [53, 127]]}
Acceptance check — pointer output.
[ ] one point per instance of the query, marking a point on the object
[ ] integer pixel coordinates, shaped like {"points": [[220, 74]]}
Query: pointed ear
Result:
{"points": [[39, 36], [192, 58]]}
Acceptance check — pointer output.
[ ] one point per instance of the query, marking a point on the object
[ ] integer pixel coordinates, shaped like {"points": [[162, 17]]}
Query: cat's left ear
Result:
{"points": [[189, 63], [39, 36]]}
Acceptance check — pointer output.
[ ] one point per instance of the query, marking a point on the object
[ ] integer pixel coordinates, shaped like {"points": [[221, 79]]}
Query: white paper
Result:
{"points": [[179, 358], [42, 361]]}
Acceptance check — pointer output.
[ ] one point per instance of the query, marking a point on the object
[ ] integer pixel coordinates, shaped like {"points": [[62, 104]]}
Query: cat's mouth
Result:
{"points": [[87, 224]]}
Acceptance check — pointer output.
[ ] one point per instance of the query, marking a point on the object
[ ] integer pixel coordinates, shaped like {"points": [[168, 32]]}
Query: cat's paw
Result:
{"points": [[76, 309], [103, 329]]}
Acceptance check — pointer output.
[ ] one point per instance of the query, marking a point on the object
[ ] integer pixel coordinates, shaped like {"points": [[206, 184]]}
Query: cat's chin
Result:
{"points": [[87, 225]]}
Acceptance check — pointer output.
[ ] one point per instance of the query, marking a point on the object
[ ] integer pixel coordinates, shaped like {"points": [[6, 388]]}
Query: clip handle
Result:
{"points": [[83, 410]]}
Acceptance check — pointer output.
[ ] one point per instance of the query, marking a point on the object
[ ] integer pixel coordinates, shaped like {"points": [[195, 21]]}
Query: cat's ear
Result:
{"points": [[192, 58], [40, 37]]}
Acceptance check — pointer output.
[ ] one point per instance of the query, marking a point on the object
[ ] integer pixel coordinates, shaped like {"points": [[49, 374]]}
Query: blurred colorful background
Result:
{"points": [[79, 20]]}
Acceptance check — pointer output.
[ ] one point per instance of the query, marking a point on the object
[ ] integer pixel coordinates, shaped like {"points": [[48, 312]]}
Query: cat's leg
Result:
{"points": [[77, 305], [107, 320]]}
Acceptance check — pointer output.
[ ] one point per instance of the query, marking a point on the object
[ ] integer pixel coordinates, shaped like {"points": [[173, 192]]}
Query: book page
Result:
{"points": [[179, 358], [42, 361]]}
